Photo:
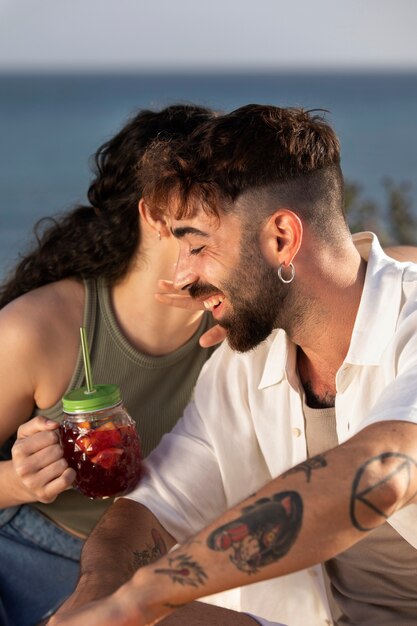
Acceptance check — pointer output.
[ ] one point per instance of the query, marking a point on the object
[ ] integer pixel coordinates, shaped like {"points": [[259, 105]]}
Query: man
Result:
{"points": [[320, 397]]}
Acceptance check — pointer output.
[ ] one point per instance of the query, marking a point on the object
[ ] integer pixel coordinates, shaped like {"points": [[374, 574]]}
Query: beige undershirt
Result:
{"points": [[374, 583]]}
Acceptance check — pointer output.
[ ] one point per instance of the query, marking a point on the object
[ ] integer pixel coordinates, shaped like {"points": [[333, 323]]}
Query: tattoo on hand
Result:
{"points": [[365, 488], [315, 462], [263, 534], [182, 569], [151, 553]]}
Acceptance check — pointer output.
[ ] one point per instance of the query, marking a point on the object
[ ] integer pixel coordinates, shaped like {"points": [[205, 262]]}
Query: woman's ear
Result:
{"points": [[281, 237], [153, 219]]}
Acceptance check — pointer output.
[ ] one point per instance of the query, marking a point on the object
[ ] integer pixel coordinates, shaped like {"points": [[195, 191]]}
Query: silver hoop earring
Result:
{"points": [[159, 235], [286, 280]]}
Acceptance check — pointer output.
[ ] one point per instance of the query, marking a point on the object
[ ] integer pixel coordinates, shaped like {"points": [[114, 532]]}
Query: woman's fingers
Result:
{"points": [[38, 460], [213, 336], [168, 294]]}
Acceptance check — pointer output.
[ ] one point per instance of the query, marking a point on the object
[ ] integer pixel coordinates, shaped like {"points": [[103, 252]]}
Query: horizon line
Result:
{"points": [[206, 70]]}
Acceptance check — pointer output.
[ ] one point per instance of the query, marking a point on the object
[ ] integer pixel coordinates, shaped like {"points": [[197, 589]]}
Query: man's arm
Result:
{"points": [[129, 537], [309, 514]]}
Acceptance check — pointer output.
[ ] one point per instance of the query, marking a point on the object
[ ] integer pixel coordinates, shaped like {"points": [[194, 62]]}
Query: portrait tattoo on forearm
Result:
{"points": [[307, 466], [182, 569], [263, 534], [150, 553], [365, 488]]}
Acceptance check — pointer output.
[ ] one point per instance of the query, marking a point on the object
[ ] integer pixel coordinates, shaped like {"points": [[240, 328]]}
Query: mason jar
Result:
{"points": [[100, 442]]}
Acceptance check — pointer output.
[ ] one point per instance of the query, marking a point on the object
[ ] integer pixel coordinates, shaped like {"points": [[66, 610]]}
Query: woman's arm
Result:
{"points": [[37, 471]]}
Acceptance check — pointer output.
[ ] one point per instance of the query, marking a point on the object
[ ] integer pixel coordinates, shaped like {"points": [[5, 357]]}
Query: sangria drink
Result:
{"points": [[101, 445]]}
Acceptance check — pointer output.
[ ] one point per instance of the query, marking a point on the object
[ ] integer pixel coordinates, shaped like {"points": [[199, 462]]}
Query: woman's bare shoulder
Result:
{"points": [[39, 335], [42, 314]]}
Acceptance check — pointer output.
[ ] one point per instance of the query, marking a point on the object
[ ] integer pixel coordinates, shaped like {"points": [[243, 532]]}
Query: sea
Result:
{"points": [[50, 125]]}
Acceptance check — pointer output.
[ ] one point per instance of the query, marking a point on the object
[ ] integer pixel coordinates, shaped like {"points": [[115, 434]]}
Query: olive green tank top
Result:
{"points": [[155, 390]]}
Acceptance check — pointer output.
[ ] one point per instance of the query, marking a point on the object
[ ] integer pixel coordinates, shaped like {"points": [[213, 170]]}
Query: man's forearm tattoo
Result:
{"points": [[150, 553], [182, 569], [307, 466], [263, 534], [365, 488]]}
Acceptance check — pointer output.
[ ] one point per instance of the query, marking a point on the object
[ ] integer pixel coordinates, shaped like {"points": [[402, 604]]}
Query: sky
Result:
{"points": [[113, 35]]}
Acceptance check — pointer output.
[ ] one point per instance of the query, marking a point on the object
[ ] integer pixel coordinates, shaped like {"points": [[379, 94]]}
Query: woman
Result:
{"points": [[98, 266]]}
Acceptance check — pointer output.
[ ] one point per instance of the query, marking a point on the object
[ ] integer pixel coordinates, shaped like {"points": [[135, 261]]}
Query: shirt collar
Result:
{"points": [[380, 303], [378, 312], [280, 360]]}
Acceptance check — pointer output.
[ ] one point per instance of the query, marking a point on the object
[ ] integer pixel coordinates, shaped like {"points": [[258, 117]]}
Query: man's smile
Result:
{"points": [[214, 304]]}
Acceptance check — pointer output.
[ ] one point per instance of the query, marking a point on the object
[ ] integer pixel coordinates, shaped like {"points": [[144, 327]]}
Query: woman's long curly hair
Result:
{"points": [[102, 237]]}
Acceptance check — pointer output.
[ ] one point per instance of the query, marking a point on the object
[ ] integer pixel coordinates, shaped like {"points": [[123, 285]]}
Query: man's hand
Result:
{"points": [[106, 612], [38, 460], [116, 610], [168, 294], [126, 538]]}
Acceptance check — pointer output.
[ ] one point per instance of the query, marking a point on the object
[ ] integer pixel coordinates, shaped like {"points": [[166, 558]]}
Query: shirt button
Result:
{"points": [[296, 432]]}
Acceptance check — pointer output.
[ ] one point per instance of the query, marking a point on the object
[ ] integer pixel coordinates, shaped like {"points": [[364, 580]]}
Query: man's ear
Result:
{"points": [[154, 219], [281, 237]]}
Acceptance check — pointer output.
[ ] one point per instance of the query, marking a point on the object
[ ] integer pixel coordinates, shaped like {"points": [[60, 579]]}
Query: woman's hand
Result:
{"points": [[168, 294], [38, 460]]}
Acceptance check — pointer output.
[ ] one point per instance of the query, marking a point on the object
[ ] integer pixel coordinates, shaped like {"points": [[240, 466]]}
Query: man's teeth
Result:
{"points": [[212, 302]]}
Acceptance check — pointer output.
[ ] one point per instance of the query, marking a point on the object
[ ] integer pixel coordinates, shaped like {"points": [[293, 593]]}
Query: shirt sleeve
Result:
{"points": [[183, 485]]}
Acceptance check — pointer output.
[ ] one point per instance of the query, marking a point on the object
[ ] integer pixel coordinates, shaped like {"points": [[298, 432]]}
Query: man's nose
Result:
{"points": [[184, 276]]}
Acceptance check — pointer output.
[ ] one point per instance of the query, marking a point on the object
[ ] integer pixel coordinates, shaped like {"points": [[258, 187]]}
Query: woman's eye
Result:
{"points": [[196, 250]]}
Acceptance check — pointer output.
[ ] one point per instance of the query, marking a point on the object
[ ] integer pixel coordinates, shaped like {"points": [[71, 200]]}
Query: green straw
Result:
{"points": [[86, 358]]}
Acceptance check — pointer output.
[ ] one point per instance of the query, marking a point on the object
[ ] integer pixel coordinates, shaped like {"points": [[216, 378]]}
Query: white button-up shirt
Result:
{"points": [[245, 426]]}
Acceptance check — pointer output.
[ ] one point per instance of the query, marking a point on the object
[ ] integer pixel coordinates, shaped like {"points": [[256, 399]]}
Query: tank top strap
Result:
{"points": [[89, 322]]}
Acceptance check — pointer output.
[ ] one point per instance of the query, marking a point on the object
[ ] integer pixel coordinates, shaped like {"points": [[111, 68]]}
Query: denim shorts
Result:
{"points": [[39, 565]]}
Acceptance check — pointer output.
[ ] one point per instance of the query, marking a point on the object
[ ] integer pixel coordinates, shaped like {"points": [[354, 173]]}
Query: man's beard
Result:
{"points": [[259, 300]]}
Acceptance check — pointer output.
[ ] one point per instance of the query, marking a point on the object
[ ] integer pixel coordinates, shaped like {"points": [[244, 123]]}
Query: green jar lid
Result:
{"points": [[83, 401]]}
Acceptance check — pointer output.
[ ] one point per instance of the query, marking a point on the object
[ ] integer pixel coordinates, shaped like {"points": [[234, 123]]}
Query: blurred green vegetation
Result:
{"points": [[394, 220]]}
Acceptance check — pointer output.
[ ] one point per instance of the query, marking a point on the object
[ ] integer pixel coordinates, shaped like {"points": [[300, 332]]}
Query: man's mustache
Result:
{"points": [[202, 290]]}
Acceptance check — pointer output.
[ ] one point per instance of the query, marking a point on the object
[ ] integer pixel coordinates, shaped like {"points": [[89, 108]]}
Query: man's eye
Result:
{"points": [[196, 250]]}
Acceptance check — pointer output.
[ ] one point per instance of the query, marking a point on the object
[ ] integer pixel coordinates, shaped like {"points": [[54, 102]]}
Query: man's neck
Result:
{"points": [[324, 338]]}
